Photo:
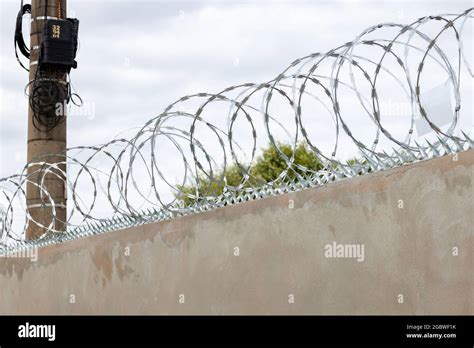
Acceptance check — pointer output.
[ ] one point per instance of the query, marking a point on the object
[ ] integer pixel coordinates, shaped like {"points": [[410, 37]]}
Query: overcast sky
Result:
{"points": [[136, 57]]}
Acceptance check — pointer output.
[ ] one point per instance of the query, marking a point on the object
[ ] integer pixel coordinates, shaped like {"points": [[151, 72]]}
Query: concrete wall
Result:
{"points": [[408, 251]]}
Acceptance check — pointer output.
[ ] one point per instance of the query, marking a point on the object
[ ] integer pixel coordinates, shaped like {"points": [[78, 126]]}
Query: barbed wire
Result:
{"points": [[133, 180]]}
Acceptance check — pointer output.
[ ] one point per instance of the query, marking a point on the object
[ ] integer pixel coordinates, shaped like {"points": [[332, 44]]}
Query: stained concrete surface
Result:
{"points": [[410, 220]]}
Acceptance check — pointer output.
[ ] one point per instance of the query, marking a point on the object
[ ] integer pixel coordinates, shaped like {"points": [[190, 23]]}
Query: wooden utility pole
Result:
{"points": [[42, 143]]}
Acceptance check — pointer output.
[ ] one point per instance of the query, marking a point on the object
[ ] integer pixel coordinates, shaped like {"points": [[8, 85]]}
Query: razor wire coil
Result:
{"points": [[124, 183]]}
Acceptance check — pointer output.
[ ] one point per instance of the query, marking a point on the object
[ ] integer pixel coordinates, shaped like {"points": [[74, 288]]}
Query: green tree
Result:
{"points": [[267, 167], [270, 164]]}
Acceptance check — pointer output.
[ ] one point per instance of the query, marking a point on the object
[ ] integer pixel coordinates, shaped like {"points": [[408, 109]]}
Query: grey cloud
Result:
{"points": [[136, 57]]}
